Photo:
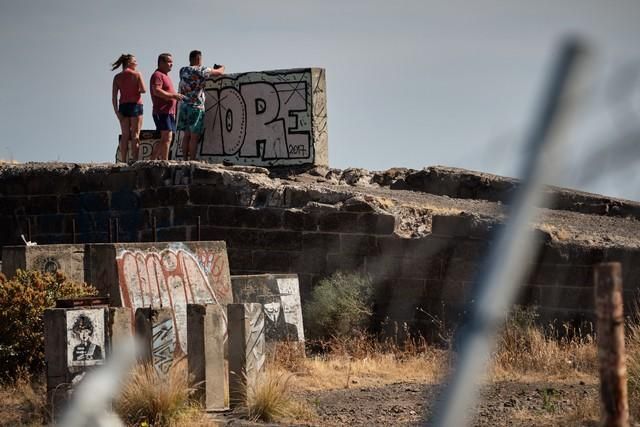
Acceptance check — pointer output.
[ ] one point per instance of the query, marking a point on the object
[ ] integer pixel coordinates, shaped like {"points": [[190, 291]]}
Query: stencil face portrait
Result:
{"points": [[86, 350]]}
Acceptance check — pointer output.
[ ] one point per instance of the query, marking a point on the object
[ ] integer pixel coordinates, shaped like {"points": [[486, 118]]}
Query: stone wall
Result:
{"points": [[275, 225]]}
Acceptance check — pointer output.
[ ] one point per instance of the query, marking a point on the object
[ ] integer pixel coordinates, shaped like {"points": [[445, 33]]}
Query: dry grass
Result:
{"points": [[526, 349], [149, 398], [23, 403], [366, 361], [271, 400]]}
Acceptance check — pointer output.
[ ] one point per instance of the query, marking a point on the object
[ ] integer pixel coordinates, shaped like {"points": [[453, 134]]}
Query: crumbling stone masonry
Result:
{"points": [[421, 235]]}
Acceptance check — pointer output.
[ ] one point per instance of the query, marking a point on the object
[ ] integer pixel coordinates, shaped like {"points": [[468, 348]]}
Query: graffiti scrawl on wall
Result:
{"points": [[173, 277], [163, 345], [148, 140], [85, 337], [255, 344], [268, 118]]}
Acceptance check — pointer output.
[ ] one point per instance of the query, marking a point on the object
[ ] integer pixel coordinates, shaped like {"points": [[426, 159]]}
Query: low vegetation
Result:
{"points": [[339, 305], [23, 300]]}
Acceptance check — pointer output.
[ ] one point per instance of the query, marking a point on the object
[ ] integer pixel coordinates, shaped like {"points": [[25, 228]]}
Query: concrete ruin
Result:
{"points": [[77, 340], [420, 234], [82, 338], [279, 295], [207, 329], [247, 353]]}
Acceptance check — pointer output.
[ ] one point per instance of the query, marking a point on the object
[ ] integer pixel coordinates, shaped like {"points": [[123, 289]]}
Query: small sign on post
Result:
{"points": [[611, 355]]}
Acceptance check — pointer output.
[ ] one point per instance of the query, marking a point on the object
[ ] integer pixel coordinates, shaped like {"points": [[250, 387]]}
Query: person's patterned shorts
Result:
{"points": [[190, 119]]}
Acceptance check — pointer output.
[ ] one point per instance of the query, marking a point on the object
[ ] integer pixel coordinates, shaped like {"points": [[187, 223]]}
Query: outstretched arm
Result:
{"points": [[216, 71]]}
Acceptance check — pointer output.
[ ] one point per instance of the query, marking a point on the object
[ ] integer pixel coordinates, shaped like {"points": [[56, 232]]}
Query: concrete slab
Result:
{"points": [[75, 341], [155, 329], [148, 140], [206, 328], [45, 258], [265, 118], [163, 274], [279, 294], [247, 351]]}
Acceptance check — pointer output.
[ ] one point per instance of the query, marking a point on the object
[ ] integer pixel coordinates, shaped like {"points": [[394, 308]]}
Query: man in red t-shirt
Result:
{"points": [[164, 98]]}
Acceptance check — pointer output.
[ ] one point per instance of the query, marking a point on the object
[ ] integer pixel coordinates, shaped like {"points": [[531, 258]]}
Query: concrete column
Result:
{"points": [[55, 354], [246, 350], [119, 326], [154, 327], [75, 341], [206, 332]]}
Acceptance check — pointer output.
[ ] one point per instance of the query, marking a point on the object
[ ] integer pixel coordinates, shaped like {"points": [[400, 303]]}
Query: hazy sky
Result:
{"points": [[409, 83]]}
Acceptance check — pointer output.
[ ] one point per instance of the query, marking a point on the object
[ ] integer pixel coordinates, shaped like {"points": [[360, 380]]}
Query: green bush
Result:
{"points": [[339, 305], [23, 300]]}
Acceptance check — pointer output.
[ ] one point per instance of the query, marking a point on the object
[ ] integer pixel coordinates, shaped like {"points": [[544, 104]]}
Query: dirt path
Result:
{"points": [[504, 403]]}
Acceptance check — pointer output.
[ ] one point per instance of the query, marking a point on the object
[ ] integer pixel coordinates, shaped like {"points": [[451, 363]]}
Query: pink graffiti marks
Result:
{"points": [[172, 277], [215, 264]]}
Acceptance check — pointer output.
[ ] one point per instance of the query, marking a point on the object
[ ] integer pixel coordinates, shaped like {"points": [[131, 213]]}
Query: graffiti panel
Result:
{"points": [[269, 118], [173, 277], [280, 296], [148, 140]]}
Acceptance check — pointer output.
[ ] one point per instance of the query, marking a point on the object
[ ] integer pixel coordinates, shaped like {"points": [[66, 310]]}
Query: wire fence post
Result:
{"points": [[507, 265], [611, 353]]}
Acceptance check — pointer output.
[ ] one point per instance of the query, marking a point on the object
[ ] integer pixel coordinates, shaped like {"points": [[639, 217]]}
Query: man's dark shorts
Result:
{"points": [[165, 122], [130, 109]]}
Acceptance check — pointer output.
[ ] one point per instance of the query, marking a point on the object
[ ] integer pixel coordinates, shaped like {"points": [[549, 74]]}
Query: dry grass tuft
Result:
{"points": [[156, 400], [525, 348], [271, 400]]}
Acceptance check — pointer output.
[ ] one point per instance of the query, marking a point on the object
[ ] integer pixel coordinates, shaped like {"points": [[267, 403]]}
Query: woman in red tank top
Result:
{"points": [[130, 85]]}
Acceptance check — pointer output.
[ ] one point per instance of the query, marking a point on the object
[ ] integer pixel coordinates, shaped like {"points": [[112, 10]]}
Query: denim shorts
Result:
{"points": [[165, 121], [130, 109]]}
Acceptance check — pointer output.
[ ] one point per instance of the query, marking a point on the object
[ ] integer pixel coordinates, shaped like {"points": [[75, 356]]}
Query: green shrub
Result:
{"points": [[339, 305], [23, 300]]}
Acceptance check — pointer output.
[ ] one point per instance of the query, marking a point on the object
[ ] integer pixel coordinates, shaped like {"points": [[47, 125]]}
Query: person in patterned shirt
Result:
{"points": [[191, 112]]}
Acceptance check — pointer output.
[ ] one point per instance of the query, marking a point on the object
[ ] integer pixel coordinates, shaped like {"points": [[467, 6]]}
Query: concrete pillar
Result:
{"points": [[75, 341], [246, 350], [206, 332], [154, 327], [119, 326]]}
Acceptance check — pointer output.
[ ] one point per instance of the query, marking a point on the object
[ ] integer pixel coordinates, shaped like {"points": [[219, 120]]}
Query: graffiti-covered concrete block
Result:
{"points": [[75, 340], [148, 140], [45, 258], [246, 350], [207, 331], [265, 118], [155, 329], [279, 294], [163, 274]]}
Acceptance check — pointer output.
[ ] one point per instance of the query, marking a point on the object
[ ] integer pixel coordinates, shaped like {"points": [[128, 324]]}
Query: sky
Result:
{"points": [[410, 83]]}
